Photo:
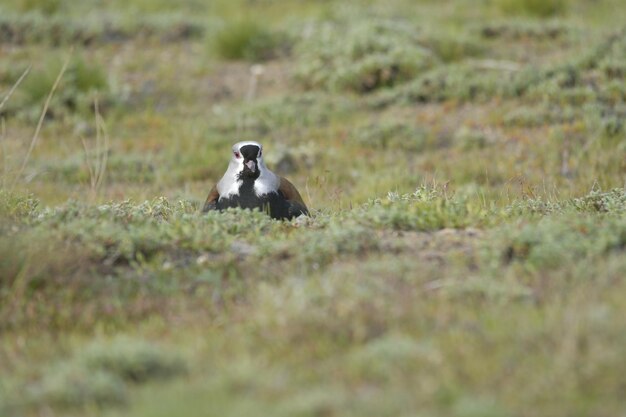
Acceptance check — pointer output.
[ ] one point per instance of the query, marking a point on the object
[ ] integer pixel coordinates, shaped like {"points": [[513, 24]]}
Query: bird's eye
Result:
{"points": [[237, 155], [260, 152]]}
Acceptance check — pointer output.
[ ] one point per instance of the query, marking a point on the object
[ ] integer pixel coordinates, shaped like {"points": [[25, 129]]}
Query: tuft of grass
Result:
{"points": [[553, 242], [70, 385], [611, 202], [132, 360], [249, 40], [425, 209], [81, 82], [468, 138], [452, 48], [99, 374], [391, 135], [47, 7], [535, 8], [372, 54], [16, 207]]}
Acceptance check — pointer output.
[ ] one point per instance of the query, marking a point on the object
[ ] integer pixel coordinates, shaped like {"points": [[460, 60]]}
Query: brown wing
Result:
{"points": [[211, 200], [290, 192]]}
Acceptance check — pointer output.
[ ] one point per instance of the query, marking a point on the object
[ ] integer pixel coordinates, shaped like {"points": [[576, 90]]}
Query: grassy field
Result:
{"points": [[464, 162]]}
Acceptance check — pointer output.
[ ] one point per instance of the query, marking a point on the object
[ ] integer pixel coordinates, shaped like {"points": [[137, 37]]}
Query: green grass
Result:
{"points": [[248, 40], [464, 166], [538, 8]]}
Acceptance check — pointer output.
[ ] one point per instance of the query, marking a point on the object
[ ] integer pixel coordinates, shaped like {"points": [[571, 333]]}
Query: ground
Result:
{"points": [[465, 166]]}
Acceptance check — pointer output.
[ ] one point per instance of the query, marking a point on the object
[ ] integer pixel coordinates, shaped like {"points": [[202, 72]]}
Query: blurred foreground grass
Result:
{"points": [[466, 166]]}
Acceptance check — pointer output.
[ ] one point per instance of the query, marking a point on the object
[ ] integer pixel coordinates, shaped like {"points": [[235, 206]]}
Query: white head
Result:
{"points": [[246, 163]]}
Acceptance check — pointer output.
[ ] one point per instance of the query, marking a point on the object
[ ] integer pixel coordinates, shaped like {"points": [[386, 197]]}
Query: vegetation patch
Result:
{"points": [[536, 8], [57, 30], [373, 54], [553, 242], [98, 376], [249, 40], [391, 135], [81, 85], [530, 30], [425, 209], [69, 385]]}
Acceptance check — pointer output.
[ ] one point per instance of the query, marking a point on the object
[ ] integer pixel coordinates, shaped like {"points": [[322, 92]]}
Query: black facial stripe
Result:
{"points": [[249, 152]]}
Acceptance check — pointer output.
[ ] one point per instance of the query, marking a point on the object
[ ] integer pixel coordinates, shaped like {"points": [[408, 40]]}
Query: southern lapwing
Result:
{"points": [[249, 184]]}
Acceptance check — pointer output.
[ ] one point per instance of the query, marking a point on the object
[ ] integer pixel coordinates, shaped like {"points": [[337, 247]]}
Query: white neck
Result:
{"points": [[229, 184]]}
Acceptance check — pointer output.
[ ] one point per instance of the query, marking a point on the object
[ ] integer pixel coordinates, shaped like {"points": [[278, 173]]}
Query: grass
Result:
{"points": [[463, 165], [537, 8], [248, 40]]}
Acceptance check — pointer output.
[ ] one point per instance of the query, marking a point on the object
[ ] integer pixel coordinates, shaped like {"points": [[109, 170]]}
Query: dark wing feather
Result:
{"points": [[293, 196], [211, 200]]}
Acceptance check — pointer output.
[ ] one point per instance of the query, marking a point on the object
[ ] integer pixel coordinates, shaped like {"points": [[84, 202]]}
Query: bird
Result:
{"points": [[249, 184]]}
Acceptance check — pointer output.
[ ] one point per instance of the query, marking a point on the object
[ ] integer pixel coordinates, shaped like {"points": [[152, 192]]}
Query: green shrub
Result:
{"points": [[535, 8], [132, 360], [80, 84], [361, 56], [70, 384], [454, 48], [555, 241], [468, 138], [454, 82], [391, 355], [61, 29], [98, 375], [608, 202], [47, 7], [514, 30], [425, 209], [16, 207], [391, 135], [249, 40]]}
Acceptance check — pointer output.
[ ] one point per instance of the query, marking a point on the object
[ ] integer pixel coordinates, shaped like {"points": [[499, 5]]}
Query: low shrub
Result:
{"points": [[391, 135], [455, 82], [425, 209], [531, 30], [249, 40], [47, 7], [535, 8], [82, 82], [72, 385], [132, 360], [553, 241], [611, 202], [98, 376], [362, 56]]}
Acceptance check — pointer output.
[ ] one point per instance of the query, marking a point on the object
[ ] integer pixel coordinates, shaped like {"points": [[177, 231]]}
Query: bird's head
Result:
{"points": [[247, 157]]}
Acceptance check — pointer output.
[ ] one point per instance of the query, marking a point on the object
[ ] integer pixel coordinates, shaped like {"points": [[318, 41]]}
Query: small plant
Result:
{"points": [[468, 138], [16, 207], [535, 8], [390, 135], [132, 360], [248, 40], [80, 82], [71, 385], [425, 209], [362, 57], [47, 7], [454, 48]]}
